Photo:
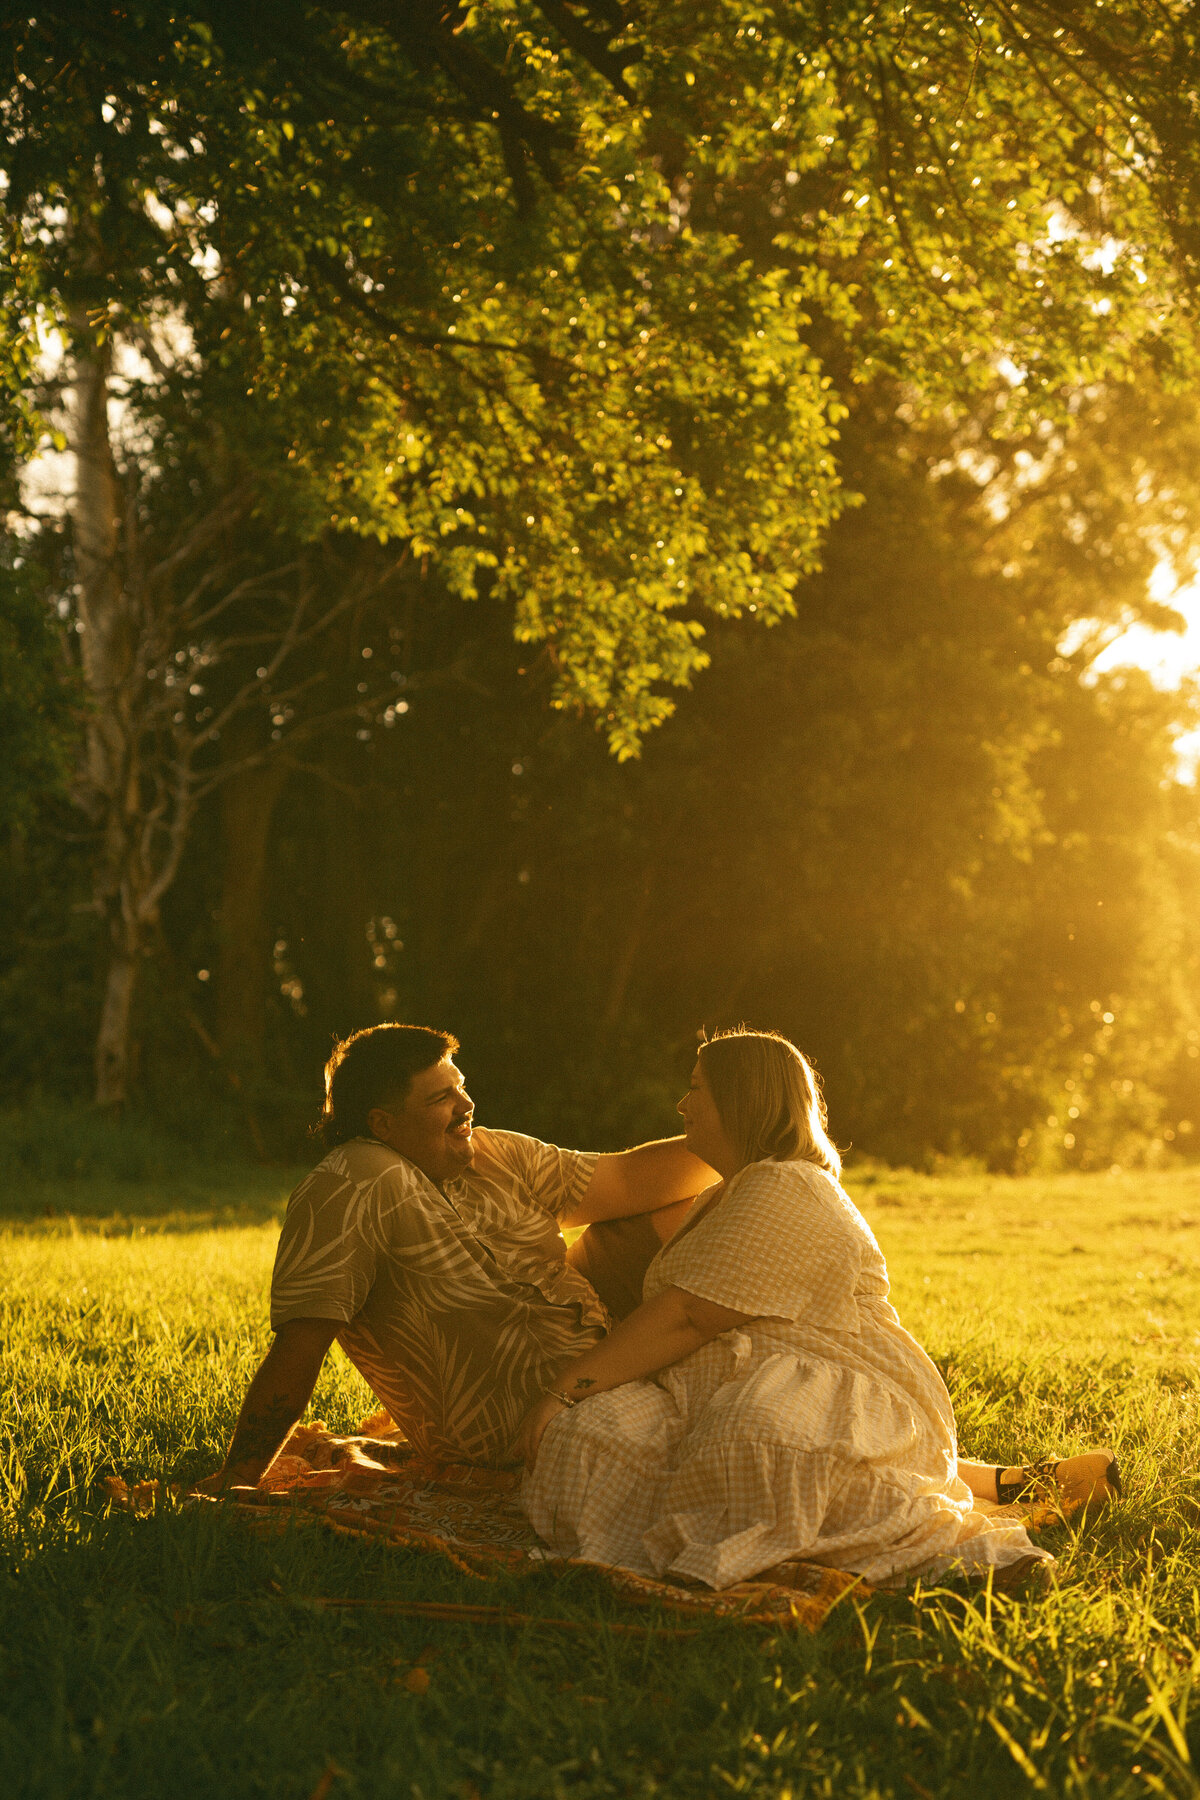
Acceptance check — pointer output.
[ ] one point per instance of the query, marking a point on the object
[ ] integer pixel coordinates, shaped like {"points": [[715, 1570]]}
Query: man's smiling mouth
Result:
{"points": [[460, 1130]]}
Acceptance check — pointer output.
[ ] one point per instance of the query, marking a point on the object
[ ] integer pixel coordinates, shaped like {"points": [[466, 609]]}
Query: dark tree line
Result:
{"points": [[384, 337], [902, 826]]}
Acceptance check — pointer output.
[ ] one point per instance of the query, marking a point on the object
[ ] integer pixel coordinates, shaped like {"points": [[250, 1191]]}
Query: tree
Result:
{"points": [[542, 293], [885, 829], [88, 255], [36, 707], [468, 225]]}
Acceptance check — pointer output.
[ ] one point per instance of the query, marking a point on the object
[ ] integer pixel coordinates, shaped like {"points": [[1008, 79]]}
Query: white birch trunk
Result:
{"points": [[148, 756], [130, 869]]}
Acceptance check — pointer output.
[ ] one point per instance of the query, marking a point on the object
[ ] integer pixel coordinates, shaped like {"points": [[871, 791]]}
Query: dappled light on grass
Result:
{"points": [[174, 1651]]}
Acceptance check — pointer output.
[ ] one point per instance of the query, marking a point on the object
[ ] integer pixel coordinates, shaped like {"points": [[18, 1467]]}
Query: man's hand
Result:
{"points": [[277, 1396], [216, 1486], [641, 1181]]}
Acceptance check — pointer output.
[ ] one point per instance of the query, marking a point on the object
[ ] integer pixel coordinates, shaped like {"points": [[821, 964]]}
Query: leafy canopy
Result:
{"points": [[566, 296]]}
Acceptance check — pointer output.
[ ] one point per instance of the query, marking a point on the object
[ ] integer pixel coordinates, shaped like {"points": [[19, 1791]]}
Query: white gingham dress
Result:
{"points": [[819, 1430]]}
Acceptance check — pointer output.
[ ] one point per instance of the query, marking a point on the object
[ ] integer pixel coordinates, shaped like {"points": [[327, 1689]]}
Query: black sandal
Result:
{"points": [[1072, 1484]]}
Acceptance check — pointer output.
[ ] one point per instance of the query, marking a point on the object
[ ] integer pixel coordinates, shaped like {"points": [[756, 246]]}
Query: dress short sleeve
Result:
{"points": [[782, 1242]]}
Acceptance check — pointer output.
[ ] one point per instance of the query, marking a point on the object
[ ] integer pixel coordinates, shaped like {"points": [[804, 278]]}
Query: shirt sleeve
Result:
{"points": [[325, 1263], [551, 1178], [776, 1245]]}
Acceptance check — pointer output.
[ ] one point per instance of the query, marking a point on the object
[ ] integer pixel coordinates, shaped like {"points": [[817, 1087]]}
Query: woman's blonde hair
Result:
{"points": [[768, 1097]]}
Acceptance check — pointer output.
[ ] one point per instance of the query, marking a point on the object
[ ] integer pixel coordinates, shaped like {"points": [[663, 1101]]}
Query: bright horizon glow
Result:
{"points": [[1168, 657]]}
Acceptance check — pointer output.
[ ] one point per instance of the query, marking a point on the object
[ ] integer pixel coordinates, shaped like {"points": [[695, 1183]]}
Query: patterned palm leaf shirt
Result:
{"points": [[457, 1306]]}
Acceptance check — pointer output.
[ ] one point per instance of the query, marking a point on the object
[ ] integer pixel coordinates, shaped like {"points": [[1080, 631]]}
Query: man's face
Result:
{"points": [[433, 1126]]}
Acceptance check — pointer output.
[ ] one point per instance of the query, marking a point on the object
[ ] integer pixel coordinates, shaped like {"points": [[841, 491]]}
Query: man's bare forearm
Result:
{"points": [[267, 1417], [666, 1171], [641, 1180], [276, 1400]]}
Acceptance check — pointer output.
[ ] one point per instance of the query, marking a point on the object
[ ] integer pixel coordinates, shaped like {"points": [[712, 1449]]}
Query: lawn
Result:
{"points": [[175, 1655]]}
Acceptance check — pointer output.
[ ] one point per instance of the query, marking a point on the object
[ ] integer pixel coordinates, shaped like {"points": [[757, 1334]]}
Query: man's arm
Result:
{"points": [[640, 1181], [277, 1396]]}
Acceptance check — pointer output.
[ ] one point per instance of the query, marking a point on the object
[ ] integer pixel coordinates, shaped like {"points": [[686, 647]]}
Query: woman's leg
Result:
{"points": [[1088, 1480], [593, 1491], [980, 1478]]}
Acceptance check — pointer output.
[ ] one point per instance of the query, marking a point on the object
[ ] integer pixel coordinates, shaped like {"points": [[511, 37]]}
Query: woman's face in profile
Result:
{"points": [[703, 1131]]}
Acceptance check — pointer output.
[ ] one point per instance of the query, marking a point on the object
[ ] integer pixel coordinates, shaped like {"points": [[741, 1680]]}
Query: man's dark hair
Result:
{"points": [[375, 1067]]}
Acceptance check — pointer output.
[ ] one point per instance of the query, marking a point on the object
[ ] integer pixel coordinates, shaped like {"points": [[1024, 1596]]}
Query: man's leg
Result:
{"points": [[615, 1254]]}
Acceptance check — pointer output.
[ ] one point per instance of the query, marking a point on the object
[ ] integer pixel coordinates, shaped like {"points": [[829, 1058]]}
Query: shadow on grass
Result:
{"points": [[193, 1200], [184, 1652], [70, 1167]]}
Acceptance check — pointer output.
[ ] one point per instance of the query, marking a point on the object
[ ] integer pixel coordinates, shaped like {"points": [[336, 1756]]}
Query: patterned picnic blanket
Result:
{"points": [[374, 1485]]}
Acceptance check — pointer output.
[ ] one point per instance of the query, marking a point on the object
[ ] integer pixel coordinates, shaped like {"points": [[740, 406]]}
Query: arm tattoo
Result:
{"points": [[584, 1382], [261, 1433]]}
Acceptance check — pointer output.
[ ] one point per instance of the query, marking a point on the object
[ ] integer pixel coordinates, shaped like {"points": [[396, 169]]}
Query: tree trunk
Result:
{"points": [[108, 772], [243, 960], [141, 817], [146, 638], [103, 623], [113, 1037]]}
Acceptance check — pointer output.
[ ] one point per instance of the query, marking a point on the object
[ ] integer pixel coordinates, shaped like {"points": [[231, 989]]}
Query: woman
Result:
{"points": [[764, 1403]]}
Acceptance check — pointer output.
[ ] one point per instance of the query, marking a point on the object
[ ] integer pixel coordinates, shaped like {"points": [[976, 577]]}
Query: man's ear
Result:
{"points": [[379, 1123]]}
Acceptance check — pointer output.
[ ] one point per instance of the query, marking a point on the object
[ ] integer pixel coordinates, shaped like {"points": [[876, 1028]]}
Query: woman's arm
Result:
{"points": [[662, 1331]]}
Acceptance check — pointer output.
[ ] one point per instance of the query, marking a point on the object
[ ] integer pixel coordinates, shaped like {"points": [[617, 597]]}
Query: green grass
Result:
{"points": [[173, 1655]]}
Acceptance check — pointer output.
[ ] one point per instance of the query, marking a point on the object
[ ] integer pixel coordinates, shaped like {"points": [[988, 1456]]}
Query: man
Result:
{"points": [[433, 1253]]}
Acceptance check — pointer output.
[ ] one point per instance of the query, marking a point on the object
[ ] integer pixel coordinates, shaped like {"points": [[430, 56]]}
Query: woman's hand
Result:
{"points": [[533, 1429], [660, 1332]]}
